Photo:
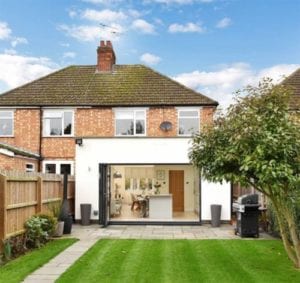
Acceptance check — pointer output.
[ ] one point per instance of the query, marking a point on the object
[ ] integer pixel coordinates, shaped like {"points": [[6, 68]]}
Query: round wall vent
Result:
{"points": [[166, 126]]}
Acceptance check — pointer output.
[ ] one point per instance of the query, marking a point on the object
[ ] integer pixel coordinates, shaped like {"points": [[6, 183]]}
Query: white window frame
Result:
{"points": [[187, 117], [59, 112], [30, 169], [10, 116], [134, 110], [57, 165]]}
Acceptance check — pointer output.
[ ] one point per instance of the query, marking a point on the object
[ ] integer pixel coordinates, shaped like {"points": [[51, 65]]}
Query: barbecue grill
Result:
{"points": [[247, 214]]}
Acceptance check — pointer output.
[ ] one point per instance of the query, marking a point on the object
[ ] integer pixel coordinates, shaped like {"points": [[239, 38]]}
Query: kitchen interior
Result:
{"points": [[154, 193]]}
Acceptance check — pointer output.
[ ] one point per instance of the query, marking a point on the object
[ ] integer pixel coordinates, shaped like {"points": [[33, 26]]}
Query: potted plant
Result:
{"points": [[55, 208]]}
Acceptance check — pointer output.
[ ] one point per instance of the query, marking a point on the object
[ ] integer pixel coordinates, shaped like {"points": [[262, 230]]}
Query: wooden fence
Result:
{"points": [[25, 194]]}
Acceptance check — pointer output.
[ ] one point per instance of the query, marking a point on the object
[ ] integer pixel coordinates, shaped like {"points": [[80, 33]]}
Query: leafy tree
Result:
{"points": [[257, 143]]}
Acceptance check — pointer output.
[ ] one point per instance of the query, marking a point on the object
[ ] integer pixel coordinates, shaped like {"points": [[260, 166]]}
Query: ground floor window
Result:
{"points": [[154, 193], [58, 167]]}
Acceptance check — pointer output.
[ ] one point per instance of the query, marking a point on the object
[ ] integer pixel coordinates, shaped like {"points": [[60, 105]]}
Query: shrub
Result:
{"points": [[38, 229], [50, 225]]}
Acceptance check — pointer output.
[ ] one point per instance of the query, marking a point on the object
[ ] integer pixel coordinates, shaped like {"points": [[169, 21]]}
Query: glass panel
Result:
{"points": [[124, 127], [124, 115], [50, 168], [53, 114], [65, 168], [188, 126], [6, 114], [188, 113], [68, 116], [55, 127], [140, 115], [6, 127], [140, 127]]}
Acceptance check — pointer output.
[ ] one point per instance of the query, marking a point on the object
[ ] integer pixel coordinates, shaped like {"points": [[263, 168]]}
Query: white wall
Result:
{"points": [[121, 150], [215, 193], [139, 151]]}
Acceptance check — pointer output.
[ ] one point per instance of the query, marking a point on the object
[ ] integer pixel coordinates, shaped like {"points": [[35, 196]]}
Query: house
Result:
{"points": [[124, 131]]}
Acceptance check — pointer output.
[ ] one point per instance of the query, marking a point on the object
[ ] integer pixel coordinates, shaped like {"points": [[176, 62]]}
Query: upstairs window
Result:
{"points": [[6, 123], [130, 122], [188, 122], [58, 123]]}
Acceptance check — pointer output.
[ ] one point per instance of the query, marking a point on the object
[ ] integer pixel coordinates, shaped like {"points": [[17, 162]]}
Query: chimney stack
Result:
{"points": [[105, 57]]}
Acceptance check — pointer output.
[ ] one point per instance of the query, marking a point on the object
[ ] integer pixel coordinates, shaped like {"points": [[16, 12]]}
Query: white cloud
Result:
{"points": [[221, 83], [84, 33], [103, 16], [224, 23], [5, 31], [64, 44], [69, 55], [143, 26], [10, 51], [18, 40], [150, 59], [189, 27], [16, 69], [72, 13]]}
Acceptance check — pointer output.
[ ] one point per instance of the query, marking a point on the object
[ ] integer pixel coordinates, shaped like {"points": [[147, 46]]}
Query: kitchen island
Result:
{"points": [[160, 206]]}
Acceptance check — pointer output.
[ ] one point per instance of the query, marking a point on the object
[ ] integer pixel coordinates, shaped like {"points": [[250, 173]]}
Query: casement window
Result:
{"points": [[58, 123], [29, 167], [188, 121], [58, 167], [130, 122], [6, 123]]}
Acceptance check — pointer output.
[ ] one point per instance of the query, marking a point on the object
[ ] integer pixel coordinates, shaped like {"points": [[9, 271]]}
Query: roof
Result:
{"points": [[126, 85], [19, 151], [294, 81]]}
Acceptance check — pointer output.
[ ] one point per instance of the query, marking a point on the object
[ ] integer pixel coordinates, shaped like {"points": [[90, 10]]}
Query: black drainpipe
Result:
{"points": [[41, 138]]}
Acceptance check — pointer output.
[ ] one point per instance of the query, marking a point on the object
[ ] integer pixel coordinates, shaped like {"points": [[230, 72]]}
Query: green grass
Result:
{"points": [[16, 270], [173, 261]]}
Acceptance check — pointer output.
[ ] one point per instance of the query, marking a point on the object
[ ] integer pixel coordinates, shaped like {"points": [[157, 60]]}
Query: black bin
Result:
{"points": [[85, 209], [215, 215]]}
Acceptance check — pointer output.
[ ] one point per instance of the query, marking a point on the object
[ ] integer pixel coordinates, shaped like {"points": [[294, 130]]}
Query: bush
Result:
{"points": [[38, 229], [50, 225]]}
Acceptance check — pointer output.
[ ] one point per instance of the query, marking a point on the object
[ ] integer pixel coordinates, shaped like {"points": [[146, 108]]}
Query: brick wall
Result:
{"points": [[97, 122], [16, 163], [155, 116], [26, 130]]}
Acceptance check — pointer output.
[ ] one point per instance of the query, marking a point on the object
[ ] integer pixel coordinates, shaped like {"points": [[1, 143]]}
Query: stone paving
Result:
{"points": [[89, 235]]}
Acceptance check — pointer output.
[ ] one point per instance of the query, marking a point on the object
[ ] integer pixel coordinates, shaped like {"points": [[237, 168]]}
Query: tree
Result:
{"points": [[257, 143]]}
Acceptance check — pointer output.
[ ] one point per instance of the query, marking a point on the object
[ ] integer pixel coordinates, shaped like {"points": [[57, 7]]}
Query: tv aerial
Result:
{"points": [[110, 29]]}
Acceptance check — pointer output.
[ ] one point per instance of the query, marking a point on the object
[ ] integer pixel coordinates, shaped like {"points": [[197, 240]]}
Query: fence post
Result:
{"points": [[39, 188], [3, 211]]}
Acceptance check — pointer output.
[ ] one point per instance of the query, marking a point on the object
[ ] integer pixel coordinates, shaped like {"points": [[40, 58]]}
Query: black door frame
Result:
{"points": [[104, 198]]}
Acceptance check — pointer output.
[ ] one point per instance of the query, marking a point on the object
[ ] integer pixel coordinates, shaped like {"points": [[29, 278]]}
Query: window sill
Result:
{"points": [[59, 136], [9, 136]]}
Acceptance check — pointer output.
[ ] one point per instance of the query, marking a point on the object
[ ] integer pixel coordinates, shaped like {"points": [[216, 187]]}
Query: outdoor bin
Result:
{"points": [[85, 209], [68, 224], [215, 215]]}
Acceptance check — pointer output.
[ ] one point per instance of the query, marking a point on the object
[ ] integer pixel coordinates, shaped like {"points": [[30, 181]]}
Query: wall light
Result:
{"points": [[78, 141]]}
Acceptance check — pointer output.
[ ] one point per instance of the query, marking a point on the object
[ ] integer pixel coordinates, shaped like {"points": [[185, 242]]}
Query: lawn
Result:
{"points": [[16, 270], [183, 261]]}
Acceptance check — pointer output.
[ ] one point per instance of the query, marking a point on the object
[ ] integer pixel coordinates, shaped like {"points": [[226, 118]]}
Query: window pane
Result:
{"points": [[188, 126], [140, 115], [68, 123], [6, 127], [188, 113], [124, 127], [50, 168], [65, 168], [6, 114], [140, 127], [124, 115], [55, 127]]}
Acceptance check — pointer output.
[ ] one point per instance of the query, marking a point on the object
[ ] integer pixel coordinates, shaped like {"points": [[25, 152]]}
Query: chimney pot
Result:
{"points": [[102, 43]]}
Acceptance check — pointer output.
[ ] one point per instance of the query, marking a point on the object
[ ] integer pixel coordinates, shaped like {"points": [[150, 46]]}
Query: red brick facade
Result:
{"points": [[16, 163], [95, 122]]}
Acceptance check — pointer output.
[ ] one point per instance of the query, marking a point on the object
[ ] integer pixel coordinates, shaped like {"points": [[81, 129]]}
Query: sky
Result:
{"points": [[212, 46]]}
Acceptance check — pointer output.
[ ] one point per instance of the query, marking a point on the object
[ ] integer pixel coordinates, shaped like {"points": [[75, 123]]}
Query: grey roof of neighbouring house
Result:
{"points": [[19, 150], [127, 85], [294, 81]]}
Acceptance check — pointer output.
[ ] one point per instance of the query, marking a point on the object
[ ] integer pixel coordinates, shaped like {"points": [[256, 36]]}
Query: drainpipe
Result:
{"points": [[41, 138]]}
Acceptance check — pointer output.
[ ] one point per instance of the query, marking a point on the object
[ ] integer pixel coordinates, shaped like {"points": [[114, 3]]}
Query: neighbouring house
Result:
{"points": [[124, 131]]}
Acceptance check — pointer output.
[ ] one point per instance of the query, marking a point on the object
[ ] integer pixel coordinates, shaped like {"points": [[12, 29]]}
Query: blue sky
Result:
{"points": [[213, 46]]}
